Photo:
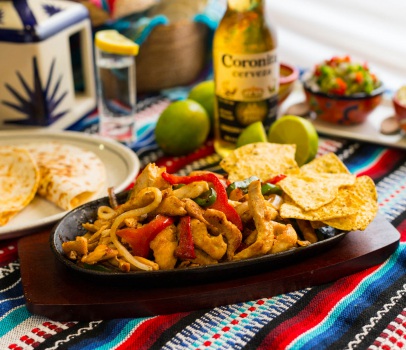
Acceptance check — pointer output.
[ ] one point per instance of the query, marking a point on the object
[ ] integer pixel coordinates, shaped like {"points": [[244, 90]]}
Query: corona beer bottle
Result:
{"points": [[246, 71]]}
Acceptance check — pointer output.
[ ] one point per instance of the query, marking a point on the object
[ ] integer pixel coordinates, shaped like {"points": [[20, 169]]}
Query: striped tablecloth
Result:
{"points": [[363, 310]]}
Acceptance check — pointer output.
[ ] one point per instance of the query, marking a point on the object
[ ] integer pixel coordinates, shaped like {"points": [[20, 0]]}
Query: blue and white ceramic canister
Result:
{"points": [[46, 63]]}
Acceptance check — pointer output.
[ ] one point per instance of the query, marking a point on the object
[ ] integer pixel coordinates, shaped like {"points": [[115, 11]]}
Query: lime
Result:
{"points": [[114, 42], [182, 127], [204, 94], [292, 129], [254, 132]]}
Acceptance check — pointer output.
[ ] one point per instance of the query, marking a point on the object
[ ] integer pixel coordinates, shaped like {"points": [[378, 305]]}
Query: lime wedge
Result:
{"points": [[113, 42], [292, 129], [254, 132]]}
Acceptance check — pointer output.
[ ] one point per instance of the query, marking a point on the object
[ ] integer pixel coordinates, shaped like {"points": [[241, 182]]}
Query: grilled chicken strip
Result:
{"points": [[76, 248], [307, 230], [194, 210], [227, 229], [203, 259], [102, 252], [151, 176], [192, 190], [171, 206], [244, 211], [263, 216], [212, 245], [163, 246], [285, 237]]}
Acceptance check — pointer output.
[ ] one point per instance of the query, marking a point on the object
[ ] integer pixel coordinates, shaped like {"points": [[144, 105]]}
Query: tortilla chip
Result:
{"points": [[327, 163], [365, 189], [346, 203], [313, 190], [19, 180], [263, 159]]}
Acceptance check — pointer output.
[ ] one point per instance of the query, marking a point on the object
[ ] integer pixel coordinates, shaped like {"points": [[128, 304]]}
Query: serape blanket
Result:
{"points": [[365, 310]]}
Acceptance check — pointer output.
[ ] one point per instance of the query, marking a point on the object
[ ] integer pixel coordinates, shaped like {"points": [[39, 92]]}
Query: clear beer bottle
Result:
{"points": [[246, 71]]}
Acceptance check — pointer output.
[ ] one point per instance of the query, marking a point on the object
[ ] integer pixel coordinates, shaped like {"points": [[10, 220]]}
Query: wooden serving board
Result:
{"points": [[53, 291]]}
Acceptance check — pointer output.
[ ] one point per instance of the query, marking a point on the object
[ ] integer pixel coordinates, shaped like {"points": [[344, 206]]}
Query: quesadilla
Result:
{"points": [[69, 175], [19, 181]]}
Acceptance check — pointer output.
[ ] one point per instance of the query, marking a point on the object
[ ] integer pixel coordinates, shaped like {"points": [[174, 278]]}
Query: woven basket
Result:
{"points": [[172, 55]]}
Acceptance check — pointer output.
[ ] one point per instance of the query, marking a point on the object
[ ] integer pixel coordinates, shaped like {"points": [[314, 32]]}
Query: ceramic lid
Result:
{"points": [[37, 20]]}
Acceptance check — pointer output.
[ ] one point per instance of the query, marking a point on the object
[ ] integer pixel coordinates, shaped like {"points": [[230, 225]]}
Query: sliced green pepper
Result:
{"points": [[96, 268], [243, 185], [207, 198], [268, 188], [175, 187]]}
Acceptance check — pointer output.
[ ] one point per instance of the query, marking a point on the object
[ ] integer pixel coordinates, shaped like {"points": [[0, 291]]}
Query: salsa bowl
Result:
{"points": [[341, 91], [343, 110]]}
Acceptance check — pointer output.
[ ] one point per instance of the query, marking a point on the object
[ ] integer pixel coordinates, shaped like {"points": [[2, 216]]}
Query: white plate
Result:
{"points": [[369, 131], [122, 166]]}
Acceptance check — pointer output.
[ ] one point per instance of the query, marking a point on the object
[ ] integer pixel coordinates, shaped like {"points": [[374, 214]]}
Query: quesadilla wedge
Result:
{"points": [[69, 175], [19, 181]]}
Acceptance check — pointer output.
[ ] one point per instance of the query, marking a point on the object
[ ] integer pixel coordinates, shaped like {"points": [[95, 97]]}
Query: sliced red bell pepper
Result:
{"points": [[221, 202], [140, 238], [275, 179], [186, 248]]}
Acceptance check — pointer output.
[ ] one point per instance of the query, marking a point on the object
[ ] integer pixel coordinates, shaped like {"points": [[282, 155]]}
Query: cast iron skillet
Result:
{"points": [[71, 225]]}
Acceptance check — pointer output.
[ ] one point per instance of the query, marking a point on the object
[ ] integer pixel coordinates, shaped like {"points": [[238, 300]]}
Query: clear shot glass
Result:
{"points": [[116, 86]]}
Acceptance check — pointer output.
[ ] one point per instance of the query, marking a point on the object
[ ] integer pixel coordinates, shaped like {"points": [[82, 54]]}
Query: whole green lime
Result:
{"points": [[182, 127], [204, 94]]}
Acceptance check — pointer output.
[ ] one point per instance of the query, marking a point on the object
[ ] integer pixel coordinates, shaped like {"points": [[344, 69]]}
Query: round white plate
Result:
{"points": [[122, 166]]}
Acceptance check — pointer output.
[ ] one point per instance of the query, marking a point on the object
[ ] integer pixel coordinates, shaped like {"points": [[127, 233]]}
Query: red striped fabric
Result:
{"points": [[314, 313], [380, 167]]}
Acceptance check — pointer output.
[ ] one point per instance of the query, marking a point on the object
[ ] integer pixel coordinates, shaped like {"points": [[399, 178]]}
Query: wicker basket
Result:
{"points": [[172, 55], [176, 53]]}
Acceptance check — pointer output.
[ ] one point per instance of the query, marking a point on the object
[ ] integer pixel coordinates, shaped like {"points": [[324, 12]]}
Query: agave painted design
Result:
{"points": [[51, 9], [40, 103]]}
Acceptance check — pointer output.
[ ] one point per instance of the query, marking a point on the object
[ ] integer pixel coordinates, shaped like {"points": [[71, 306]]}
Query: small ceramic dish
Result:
{"points": [[288, 75], [343, 110], [400, 107]]}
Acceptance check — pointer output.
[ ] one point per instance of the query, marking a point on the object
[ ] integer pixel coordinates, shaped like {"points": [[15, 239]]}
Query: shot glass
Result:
{"points": [[116, 87]]}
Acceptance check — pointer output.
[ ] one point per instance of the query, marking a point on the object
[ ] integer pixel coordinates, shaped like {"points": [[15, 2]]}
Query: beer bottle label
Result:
{"points": [[246, 91]]}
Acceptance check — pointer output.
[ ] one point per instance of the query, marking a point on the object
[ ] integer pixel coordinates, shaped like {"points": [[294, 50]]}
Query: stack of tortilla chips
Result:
{"points": [[323, 191]]}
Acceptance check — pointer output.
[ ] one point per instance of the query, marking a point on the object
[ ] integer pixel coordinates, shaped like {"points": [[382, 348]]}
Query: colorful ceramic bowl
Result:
{"points": [[343, 110], [400, 108], [288, 75]]}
